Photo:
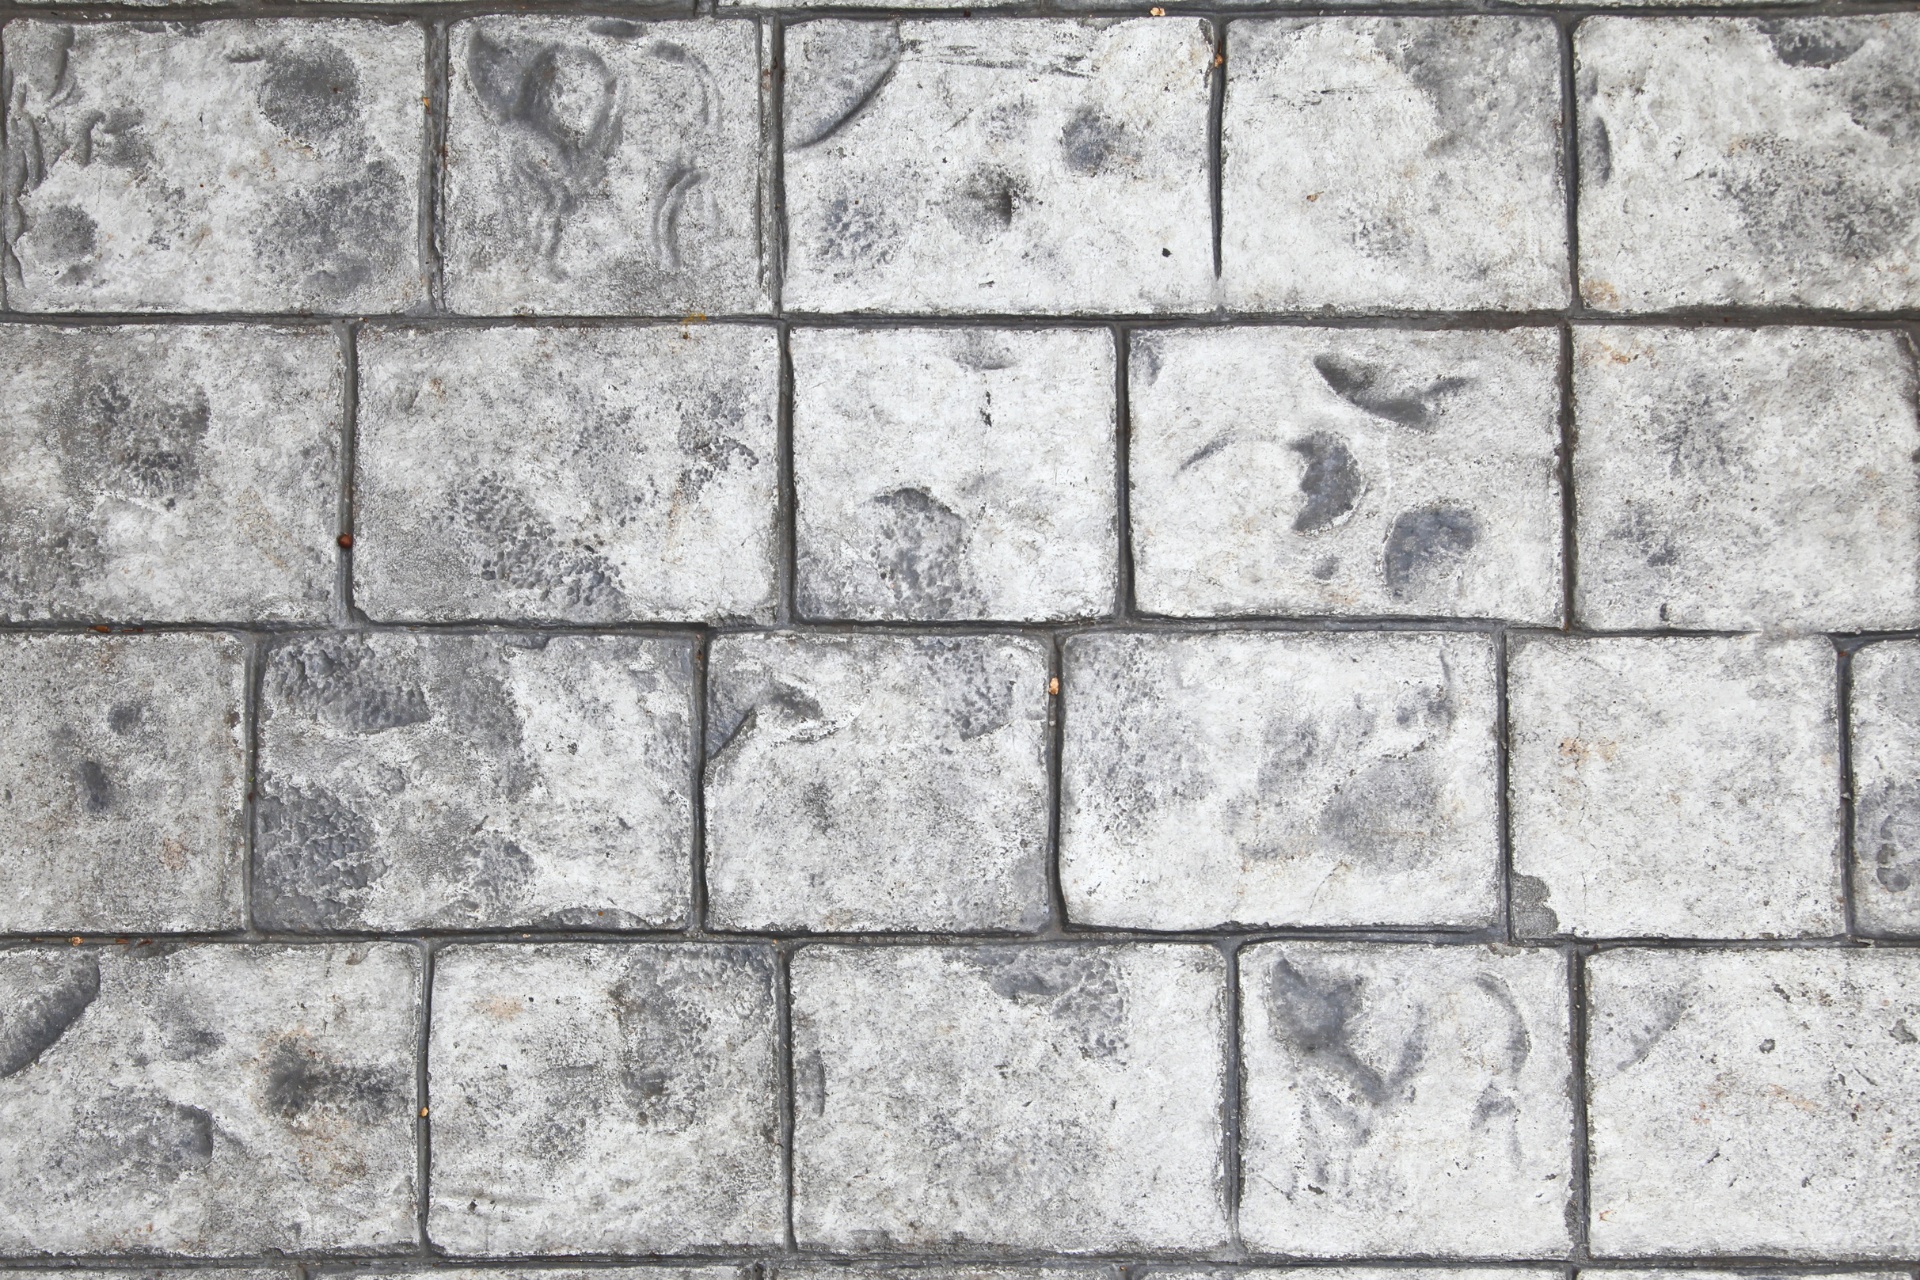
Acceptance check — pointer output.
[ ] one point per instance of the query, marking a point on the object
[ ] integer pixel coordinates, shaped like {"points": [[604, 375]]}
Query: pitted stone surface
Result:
{"points": [[1332, 471], [1275, 778], [954, 474], [122, 780], [169, 474], [1393, 164], [208, 1100], [877, 782], [1754, 1102], [1762, 162], [998, 167], [567, 475], [1031, 1097], [1682, 787], [267, 165], [1405, 1100], [604, 1099], [1746, 479], [412, 781], [1886, 780]]}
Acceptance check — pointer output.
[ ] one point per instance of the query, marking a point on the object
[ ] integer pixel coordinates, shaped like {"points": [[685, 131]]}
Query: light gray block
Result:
{"points": [[569, 475], [1346, 472], [411, 781], [1393, 164], [597, 166], [1754, 1102], [955, 474], [1886, 787], [1681, 787], [169, 473], [1405, 1100], [1066, 1099], [1278, 778], [1030, 166], [122, 781], [877, 782], [208, 1100], [1747, 478], [269, 165], [604, 1099], [1754, 162]]}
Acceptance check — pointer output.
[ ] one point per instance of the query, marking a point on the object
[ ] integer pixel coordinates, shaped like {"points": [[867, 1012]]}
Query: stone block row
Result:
{"points": [[1394, 1100], [1723, 478], [603, 166]]}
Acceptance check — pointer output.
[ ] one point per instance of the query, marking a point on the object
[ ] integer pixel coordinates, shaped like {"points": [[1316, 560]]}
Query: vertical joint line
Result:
{"points": [[1503, 805], [1569, 506], [1577, 1029], [422, 1118], [12, 179], [773, 88], [348, 331], [783, 1067], [1122, 476], [697, 793], [1056, 722], [1230, 1098], [433, 167], [1216, 116], [786, 536], [1570, 162], [1843, 695]]}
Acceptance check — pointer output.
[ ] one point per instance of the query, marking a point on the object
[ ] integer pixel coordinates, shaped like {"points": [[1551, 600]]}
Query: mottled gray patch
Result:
{"points": [[1532, 917], [64, 231], [1386, 813], [919, 548], [313, 862], [495, 872], [38, 1006], [311, 94], [1332, 482], [345, 682], [984, 202], [663, 1071], [1317, 1018], [337, 234], [1645, 1025], [838, 80], [970, 695], [1079, 988], [514, 545], [114, 137], [1473, 100], [733, 710], [1813, 42], [1833, 206], [130, 431], [858, 231], [143, 1137], [1425, 545], [1887, 835], [125, 717], [96, 789], [303, 1086], [1091, 143], [1376, 389]]}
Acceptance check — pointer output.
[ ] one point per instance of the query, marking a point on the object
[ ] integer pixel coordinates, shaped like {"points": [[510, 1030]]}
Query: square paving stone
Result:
{"points": [[1886, 785]]}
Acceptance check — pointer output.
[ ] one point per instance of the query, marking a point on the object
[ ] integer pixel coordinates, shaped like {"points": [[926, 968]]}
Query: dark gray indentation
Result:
{"points": [[1883, 97], [856, 231], [678, 184], [337, 237], [1145, 357], [1797, 199], [125, 717], [513, 545], [1288, 747], [311, 94], [1532, 916], [115, 138], [1813, 42], [1091, 143], [143, 1136], [1596, 152], [1425, 545], [1208, 449], [133, 432], [1519, 1042], [344, 682], [616, 29], [57, 990], [470, 693], [708, 450], [1376, 389], [919, 551], [96, 789], [665, 1066], [1387, 813], [836, 81], [975, 699], [1456, 64], [985, 201], [735, 708], [65, 232], [314, 862], [983, 352], [304, 1085], [1887, 835], [1647, 1023], [1318, 1017], [1078, 988], [1332, 482], [494, 872]]}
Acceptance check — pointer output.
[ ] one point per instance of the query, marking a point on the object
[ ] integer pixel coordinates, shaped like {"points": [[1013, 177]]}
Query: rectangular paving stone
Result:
{"points": [[1278, 778], [1022, 166], [1681, 787], [1346, 472], [877, 782], [597, 166], [1885, 724], [1754, 1102], [208, 1100], [122, 783], [1747, 478], [1405, 1100], [604, 1099], [169, 473], [441, 781], [1749, 161], [567, 475], [999, 1096], [1393, 164], [955, 474], [268, 165]]}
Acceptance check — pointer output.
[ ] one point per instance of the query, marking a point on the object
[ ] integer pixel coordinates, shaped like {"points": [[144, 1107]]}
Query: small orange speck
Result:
{"points": [[345, 540], [1313, 197], [74, 941], [1053, 686], [1158, 13], [423, 1111], [1219, 59]]}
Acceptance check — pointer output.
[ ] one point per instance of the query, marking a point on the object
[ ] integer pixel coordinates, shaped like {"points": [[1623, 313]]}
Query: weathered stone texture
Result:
{"points": [[955, 474], [1065, 1099], [998, 167], [1674, 787], [414, 781], [169, 473], [1886, 787], [122, 777], [1754, 1102], [1276, 778], [267, 165], [877, 782], [1333, 471], [1761, 162], [1747, 478], [567, 475], [208, 1100], [604, 1099]]}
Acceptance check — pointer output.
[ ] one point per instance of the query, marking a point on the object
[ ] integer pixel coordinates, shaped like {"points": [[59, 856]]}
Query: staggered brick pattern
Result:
{"points": [[1030, 642]]}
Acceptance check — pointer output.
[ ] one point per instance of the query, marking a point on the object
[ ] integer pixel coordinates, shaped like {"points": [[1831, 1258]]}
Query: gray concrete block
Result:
{"points": [[1279, 778], [1682, 787], [1346, 472], [1066, 1099], [169, 473], [437, 781], [1029, 166], [268, 165], [1886, 787], [1747, 478], [604, 1099], [955, 474], [1756, 162], [597, 166], [567, 475], [877, 782], [208, 1100], [1393, 164], [1754, 1102], [1405, 1100]]}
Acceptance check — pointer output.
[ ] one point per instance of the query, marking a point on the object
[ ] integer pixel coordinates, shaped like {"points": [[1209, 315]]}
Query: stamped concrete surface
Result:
{"points": [[1886, 805]]}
